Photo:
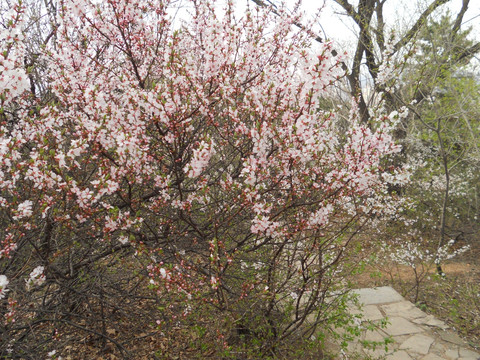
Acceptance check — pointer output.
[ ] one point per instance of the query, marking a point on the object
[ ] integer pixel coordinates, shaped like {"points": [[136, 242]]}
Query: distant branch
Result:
{"points": [[459, 19], [421, 20]]}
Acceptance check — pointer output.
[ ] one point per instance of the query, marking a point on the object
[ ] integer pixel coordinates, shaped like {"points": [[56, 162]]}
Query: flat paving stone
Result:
{"points": [[432, 357], [451, 338], [403, 308], [440, 348], [379, 295], [468, 354], [431, 320], [418, 343], [354, 348], [398, 355], [375, 336], [452, 354], [401, 326], [379, 352], [368, 312]]}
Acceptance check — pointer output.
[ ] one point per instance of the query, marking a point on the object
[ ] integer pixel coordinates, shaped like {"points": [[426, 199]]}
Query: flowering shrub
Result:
{"points": [[195, 160]]}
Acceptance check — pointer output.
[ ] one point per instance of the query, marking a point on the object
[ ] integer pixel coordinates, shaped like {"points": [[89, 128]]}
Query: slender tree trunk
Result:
{"points": [[443, 215]]}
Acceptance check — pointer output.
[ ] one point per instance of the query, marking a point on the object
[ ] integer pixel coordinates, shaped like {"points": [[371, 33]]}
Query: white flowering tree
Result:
{"points": [[445, 130], [191, 160]]}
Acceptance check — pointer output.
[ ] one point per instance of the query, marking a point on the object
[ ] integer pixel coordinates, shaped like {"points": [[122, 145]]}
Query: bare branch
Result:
{"points": [[420, 22], [459, 19]]}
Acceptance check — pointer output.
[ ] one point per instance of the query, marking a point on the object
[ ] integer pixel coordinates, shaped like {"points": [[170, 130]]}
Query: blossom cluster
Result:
{"points": [[411, 254], [37, 277], [3, 286], [13, 78]]}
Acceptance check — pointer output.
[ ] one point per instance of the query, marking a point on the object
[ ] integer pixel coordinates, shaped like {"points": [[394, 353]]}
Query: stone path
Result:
{"points": [[416, 335]]}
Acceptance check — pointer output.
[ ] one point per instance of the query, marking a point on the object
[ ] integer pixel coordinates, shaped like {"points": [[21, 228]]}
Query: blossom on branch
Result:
{"points": [[37, 277], [3, 286]]}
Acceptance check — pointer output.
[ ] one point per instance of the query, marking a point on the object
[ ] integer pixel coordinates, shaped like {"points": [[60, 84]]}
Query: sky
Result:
{"points": [[335, 25], [400, 13]]}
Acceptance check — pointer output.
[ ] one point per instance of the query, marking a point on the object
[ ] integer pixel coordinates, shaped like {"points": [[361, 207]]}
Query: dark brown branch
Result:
{"points": [[379, 31], [364, 47], [420, 22], [459, 19], [471, 51], [349, 9]]}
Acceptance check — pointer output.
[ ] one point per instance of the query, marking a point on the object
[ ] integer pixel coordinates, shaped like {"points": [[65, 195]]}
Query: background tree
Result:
{"points": [[427, 63], [373, 45], [444, 129]]}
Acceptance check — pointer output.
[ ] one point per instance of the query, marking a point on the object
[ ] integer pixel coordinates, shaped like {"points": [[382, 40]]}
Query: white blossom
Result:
{"points": [[37, 277], [24, 210], [3, 286]]}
